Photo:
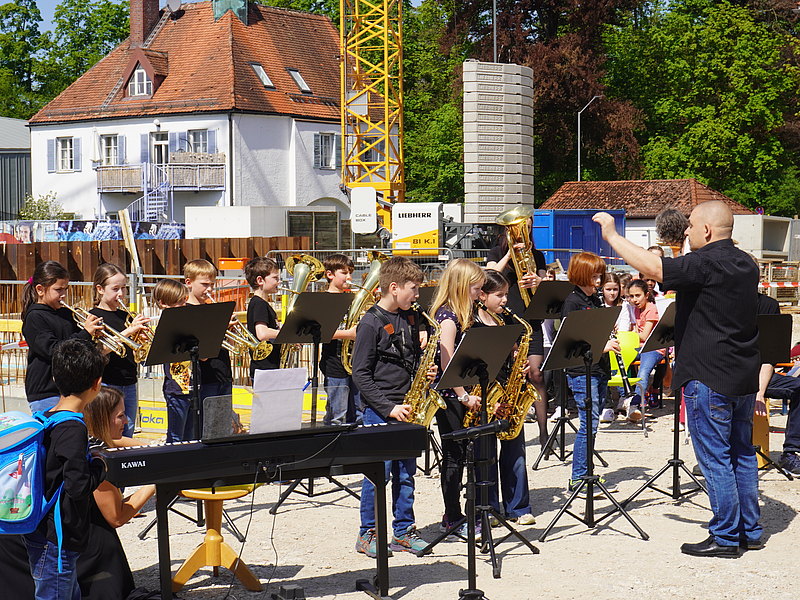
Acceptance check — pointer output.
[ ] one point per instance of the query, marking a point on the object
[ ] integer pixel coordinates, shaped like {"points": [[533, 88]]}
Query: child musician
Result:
{"points": [[645, 319], [385, 360], [120, 372], [263, 275], [45, 322], [453, 307], [342, 406]]}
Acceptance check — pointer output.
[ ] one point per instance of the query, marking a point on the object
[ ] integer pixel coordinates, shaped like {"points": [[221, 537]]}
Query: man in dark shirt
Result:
{"points": [[717, 363]]}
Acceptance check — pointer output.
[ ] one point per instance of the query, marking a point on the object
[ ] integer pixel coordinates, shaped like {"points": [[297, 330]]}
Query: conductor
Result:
{"points": [[717, 363]]}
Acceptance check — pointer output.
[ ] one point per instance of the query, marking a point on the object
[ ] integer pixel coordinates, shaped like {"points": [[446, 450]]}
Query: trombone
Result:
{"points": [[111, 339], [238, 337]]}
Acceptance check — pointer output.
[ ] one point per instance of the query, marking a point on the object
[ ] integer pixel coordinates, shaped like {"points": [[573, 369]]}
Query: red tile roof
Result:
{"points": [[640, 199], [208, 68]]}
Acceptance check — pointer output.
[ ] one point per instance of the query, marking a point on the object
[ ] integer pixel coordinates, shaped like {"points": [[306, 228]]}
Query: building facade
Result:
{"points": [[15, 166]]}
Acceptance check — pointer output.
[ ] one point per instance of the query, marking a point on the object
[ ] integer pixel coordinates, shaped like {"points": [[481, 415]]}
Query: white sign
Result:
{"points": [[363, 210]]}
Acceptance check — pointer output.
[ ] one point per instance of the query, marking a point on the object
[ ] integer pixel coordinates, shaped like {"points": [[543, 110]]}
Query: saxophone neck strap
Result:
{"points": [[396, 340]]}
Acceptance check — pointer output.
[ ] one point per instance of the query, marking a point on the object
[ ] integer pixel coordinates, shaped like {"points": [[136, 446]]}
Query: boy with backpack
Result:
{"points": [[77, 370]]}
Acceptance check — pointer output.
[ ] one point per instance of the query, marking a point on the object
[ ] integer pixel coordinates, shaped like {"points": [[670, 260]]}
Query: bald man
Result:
{"points": [[717, 364]]}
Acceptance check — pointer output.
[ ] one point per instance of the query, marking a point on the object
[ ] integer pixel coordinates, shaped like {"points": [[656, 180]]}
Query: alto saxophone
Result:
{"points": [[423, 399]]}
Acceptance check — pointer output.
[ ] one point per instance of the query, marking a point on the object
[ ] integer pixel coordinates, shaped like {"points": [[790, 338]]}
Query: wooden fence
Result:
{"points": [[157, 257]]}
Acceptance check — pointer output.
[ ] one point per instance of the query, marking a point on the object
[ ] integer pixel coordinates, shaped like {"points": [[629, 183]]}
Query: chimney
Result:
{"points": [[144, 16]]}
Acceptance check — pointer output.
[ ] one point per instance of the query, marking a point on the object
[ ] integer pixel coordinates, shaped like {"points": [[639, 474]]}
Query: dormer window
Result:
{"points": [[298, 79], [140, 84], [262, 75]]}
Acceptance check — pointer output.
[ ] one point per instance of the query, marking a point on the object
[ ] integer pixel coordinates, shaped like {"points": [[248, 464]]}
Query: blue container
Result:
{"points": [[562, 233]]}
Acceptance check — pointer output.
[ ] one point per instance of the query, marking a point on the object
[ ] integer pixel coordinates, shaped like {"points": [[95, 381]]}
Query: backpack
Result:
{"points": [[22, 464]]}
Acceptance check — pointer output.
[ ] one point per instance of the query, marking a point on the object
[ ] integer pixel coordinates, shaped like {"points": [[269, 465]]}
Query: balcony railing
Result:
{"points": [[181, 176]]}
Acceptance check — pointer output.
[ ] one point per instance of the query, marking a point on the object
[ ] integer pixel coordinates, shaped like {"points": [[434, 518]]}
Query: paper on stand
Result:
{"points": [[277, 400]]}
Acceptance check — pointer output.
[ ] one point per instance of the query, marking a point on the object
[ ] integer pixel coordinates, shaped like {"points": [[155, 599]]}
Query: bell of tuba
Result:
{"points": [[515, 220], [304, 269], [362, 300]]}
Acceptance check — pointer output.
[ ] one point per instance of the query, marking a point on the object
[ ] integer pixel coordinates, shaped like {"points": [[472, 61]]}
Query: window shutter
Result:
{"points": [[317, 151], [212, 141], [76, 154], [144, 152], [173, 142], [337, 150], [51, 156], [121, 156]]}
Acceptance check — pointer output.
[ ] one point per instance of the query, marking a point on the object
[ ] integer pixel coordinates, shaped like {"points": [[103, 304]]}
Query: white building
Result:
{"points": [[203, 106]]}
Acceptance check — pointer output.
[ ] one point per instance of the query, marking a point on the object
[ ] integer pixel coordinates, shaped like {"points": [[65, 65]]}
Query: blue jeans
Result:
{"points": [[44, 404], [722, 429], [513, 477], [131, 398], [180, 421], [343, 401], [401, 474], [43, 562], [598, 391], [647, 362]]}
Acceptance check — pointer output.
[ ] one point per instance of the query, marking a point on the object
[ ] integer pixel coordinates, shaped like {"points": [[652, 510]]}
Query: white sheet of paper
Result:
{"points": [[277, 400]]}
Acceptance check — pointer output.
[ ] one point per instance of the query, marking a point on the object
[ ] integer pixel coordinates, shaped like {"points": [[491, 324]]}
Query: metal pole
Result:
{"points": [[494, 29], [579, 131]]}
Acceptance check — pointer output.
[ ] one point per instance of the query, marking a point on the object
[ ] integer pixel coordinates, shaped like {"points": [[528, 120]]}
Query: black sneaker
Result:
{"points": [[791, 462]]}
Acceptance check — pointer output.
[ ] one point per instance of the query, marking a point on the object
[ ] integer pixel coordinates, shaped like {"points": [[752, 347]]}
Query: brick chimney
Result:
{"points": [[144, 16]]}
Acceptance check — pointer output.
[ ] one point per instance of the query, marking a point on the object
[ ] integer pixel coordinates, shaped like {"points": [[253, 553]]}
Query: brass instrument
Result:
{"points": [[364, 298], [472, 417], [238, 339], [515, 221], [304, 268], [181, 372], [422, 398], [111, 339], [144, 337]]}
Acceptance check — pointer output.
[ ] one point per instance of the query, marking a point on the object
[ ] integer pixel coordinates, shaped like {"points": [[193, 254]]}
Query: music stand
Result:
{"points": [[314, 319], [663, 336], [477, 359], [580, 341], [546, 303], [774, 343]]}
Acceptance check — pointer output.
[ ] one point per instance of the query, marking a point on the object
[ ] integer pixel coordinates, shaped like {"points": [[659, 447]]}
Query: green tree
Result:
{"points": [[42, 207], [717, 87], [20, 43]]}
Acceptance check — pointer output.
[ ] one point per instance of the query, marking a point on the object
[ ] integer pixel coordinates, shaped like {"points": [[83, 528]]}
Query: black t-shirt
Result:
{"points": [[578, 300], [330, 361], [515, 302], [716, 336], [120, 370], [260, 311]]}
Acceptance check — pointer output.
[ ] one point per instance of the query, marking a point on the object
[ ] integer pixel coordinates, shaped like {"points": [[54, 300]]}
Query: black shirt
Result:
{"points": [[384, 363], [578, 300], [515, 302], [120, 370], [260, 311], [42, 328], [716, 337], [768, 306], [66, 445]]}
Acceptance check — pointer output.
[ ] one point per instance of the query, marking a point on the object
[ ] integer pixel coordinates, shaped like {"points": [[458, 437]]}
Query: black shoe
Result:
{"points": [[751, 544], [790, 462], [709, 547]]}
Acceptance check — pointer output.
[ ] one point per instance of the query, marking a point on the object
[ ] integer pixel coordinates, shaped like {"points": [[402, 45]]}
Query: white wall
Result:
{"points": [[641, 232]]}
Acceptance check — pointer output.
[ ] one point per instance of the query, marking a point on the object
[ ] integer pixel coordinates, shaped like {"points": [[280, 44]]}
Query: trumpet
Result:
{"points": [[144, 337], [111, 339], [238, 339]]}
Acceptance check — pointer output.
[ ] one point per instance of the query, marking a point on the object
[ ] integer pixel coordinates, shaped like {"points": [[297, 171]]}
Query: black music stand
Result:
{"points": [[581, 340], [774, 343], [546, 303], [314, 319], [663, 336], [478, 358]]}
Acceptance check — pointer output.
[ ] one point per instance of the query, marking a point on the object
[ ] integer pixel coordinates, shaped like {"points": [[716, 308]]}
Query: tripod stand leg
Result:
{"points": [[562, 510], [287, 492], [621, 510], [557, 430], [772, 464]]}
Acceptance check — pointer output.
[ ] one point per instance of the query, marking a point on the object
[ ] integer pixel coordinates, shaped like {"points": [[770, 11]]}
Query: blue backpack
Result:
{"points": [[22, 466]]}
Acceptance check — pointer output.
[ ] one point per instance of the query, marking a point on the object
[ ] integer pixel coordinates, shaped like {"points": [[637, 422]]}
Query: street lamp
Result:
{"points": [[579, 131]]}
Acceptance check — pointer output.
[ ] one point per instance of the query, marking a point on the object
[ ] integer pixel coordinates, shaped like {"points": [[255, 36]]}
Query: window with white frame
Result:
{"points": [[198, 140], [65, 154], [325, 150], [262, 75], [140, 84], [298, 79], [109, 146]]}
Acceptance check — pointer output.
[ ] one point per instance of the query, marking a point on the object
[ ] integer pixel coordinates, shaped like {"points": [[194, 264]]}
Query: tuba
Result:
{"points": [[423, 399], [363, 299], [515, 221], [111, 339], [304, 268]]}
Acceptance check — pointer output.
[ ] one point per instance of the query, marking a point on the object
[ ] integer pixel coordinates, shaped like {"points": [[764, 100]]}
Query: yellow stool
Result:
{"points": [[213, 552]]}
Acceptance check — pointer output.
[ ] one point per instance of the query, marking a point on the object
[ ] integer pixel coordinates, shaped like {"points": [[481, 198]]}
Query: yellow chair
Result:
{"points": [[213, 551], [628, 343]]}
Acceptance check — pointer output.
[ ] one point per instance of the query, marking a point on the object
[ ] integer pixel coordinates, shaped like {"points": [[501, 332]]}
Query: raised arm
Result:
{"points": [[648, 263]]}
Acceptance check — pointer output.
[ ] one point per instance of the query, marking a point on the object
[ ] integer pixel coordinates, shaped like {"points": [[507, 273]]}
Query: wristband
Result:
{"points": [[464, 398]]}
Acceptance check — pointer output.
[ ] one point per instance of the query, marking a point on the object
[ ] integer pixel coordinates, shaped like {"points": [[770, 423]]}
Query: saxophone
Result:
{"points": [[472, 417], [515, 220], [424, 400], [362, 300]]}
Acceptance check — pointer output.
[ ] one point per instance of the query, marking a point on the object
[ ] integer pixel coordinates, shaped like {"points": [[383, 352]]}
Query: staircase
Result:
{"points": [[156, 203]]}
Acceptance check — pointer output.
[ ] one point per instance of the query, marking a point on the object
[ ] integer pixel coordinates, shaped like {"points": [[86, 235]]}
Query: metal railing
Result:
{"points": [[183, 176]]}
